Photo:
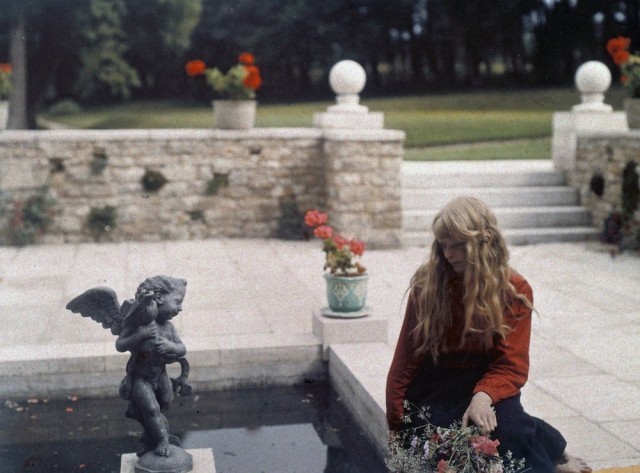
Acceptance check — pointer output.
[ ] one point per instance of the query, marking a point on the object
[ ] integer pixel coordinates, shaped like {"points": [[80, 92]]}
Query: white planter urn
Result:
{"points": [[4, 113], [235, 114]]}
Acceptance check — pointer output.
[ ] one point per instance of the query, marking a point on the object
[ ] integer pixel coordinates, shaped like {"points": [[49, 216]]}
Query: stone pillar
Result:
{"points": [[363, 184], [362, 164], [592, 115]]}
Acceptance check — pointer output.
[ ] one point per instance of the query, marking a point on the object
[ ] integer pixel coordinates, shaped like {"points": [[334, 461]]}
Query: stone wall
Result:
{"points": [[601, 159], [219, 183]]}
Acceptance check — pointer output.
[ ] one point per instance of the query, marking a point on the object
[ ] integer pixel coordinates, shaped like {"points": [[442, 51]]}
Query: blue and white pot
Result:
{"points": [[346, 293]]}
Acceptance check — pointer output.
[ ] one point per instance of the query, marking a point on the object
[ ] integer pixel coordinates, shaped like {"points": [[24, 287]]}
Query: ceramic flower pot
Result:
{"points": [[235, 114], [346, 294], [632, 109]]}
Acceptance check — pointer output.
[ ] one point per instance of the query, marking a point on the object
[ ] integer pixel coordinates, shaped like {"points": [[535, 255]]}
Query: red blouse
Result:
{"points": [[509, 358]]}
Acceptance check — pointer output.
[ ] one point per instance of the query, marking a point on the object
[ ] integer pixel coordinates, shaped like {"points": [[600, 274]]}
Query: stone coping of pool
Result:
{"points": [[95, 368], [203, 461]]}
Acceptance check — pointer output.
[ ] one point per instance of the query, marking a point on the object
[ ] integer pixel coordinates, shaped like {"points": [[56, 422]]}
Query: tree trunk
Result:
{"points": [[18, 115]]}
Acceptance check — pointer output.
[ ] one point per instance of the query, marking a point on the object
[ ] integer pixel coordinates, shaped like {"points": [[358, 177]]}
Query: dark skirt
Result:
{"points": [[447, 393]]}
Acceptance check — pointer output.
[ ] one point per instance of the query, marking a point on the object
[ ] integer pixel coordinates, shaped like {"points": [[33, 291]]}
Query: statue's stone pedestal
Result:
{"points": [[202, 462]]}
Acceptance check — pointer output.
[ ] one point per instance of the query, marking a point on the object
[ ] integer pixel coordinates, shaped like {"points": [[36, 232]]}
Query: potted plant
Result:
{"points": [[629, 65], [236, 88], [346, 277], [5, 91]]}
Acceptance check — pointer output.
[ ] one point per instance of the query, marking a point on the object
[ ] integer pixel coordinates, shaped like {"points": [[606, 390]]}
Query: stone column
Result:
{"points": [[363, 184], [592, 115], [362, 164]]}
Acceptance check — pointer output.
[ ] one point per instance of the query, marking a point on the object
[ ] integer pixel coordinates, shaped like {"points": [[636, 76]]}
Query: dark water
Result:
{"points": [[300, 429]]}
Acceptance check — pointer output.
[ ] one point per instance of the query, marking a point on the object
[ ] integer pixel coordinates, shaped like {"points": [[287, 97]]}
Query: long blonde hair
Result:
{"points": [[487, 286]]}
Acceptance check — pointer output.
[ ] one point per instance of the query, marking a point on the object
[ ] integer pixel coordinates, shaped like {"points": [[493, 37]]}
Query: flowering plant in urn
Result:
{"points": [[240, 82], [5, 81], [342, 254], [629, 64]]}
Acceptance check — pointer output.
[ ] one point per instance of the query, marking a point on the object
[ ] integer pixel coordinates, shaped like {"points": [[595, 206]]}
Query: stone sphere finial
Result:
{"points": [[593, 79], [347, 77]]}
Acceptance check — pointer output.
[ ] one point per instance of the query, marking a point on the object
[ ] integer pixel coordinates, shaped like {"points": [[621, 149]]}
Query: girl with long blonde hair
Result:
{"points": [[463, 349]]}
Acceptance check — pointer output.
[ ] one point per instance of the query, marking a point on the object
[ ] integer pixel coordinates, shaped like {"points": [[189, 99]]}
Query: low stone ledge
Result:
{"points": [[330, 331], [361, 385]]}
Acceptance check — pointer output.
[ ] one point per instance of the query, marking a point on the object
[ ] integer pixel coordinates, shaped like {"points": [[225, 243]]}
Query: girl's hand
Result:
{"points": [[481, 413]]}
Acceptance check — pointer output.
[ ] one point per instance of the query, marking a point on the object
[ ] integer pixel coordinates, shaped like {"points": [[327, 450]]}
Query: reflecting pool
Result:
{"points": [[299, 429]]}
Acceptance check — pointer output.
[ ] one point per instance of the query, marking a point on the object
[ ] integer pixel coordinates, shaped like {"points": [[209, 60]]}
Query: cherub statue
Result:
{"points": [[144, 328]]}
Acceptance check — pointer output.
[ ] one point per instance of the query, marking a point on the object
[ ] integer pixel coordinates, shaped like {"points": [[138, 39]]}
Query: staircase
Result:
{"points": [[529, 198]]}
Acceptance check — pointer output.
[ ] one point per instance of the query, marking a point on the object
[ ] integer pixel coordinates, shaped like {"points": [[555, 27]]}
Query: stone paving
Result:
{"points": [[585, 369]]}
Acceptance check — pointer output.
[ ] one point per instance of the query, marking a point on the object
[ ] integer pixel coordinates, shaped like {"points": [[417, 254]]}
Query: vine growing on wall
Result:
{"points": [[29, 219]]}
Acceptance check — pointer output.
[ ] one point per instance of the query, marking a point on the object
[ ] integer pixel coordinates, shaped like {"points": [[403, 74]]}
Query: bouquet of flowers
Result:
{"points": [[629, 64], [341, 253], [5, 81], [239, 83], [428, 448]]}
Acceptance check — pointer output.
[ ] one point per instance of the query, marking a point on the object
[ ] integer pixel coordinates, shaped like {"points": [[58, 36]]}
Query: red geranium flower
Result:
{"points": [[617, 44], [340, 241], [323, 231], [252, 80], [357, 247], [620, 56], [247, 59], [5, 68], [195, 68], [313, 218]]}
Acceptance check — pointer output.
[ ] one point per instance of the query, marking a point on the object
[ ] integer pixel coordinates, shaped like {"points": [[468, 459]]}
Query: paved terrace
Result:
{"points": [[248, 318]]}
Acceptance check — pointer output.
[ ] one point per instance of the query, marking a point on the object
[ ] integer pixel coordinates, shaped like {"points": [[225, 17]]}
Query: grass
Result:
{"points": [[516, 124]]}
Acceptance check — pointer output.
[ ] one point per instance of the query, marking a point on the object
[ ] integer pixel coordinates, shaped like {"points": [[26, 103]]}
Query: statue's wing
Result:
{"points": [[101, 304]]}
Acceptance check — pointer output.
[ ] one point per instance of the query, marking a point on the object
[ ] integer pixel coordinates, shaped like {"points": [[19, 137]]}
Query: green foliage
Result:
{"points": [[102, 221], [230, 85], [105, 72], [290, 223], [630, 189], [158, 33], [218, 181], [5, 85], [29, 219], [153, 181], [64, 107]]}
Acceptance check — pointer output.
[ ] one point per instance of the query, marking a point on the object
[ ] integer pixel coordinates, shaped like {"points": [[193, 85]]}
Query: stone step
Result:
{"points": [[429, 178], [436, 198], [512, 217], [518, 236]]}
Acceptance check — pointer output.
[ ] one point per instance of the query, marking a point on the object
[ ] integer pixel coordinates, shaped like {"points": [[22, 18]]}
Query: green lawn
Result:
{"points": [[431, 122]]}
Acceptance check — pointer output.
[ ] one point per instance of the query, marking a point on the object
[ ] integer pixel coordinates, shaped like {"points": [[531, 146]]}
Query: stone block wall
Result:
{"points": [[218, 183], [603, 157]]}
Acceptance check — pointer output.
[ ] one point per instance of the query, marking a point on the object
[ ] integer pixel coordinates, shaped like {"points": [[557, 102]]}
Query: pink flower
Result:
{"points": [[357, 247], [340, 241], [323, 231], [442, 466], [485, 445], [313, 218]]}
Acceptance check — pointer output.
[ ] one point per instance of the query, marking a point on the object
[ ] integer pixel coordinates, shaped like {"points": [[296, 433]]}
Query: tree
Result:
{"points": [[158, 32], [105, 74]]}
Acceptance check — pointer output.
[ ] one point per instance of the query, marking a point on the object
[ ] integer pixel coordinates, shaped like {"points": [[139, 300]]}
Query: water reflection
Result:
{"points": [[303, 429]]}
